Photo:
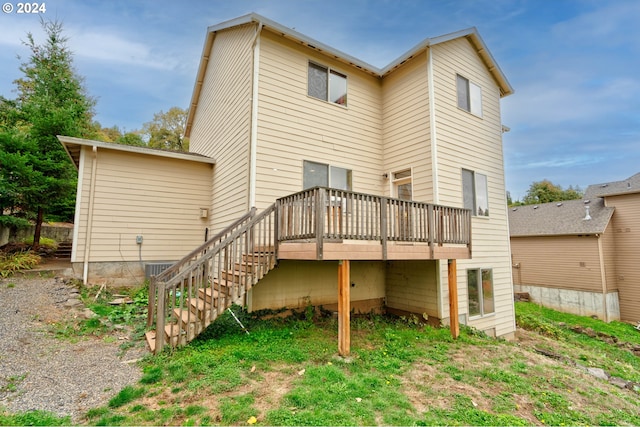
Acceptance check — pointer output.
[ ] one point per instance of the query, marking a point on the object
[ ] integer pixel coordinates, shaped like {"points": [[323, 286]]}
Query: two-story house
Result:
{"points": [[392, 172]]}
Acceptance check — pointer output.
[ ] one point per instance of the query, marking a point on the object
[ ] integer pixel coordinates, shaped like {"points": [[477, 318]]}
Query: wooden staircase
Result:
{"points": [[187, 297]]}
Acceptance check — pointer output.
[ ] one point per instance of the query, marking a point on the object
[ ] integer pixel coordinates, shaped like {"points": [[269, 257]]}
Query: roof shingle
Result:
{"points": [[559, 218]]}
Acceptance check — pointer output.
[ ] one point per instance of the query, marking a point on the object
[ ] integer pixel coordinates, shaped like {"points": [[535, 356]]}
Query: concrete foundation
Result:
{"points": [[582, 303], [117, 274]]}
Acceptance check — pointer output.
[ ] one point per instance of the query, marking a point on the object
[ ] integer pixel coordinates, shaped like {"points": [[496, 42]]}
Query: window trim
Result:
{"points": [[473, 95], [481, 297], [329, 72], [397, 181]]}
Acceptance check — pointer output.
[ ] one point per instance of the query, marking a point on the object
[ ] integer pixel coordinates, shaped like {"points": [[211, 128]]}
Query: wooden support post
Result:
{"points": [[453, 299], [344, 308]]}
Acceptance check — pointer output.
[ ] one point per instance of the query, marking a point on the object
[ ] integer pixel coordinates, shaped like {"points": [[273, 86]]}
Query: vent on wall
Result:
{"points": [[155, 268]]}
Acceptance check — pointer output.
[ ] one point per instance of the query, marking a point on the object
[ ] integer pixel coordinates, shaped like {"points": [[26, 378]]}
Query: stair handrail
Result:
{"points": [[191, 256], [206, 246], [160, 290]]}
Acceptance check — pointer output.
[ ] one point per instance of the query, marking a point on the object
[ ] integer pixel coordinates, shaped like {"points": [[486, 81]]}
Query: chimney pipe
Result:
{"points": [[587, 217]]}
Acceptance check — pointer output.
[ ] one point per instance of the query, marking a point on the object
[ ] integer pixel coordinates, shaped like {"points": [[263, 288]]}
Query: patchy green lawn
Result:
{"points": [[286, 372]]}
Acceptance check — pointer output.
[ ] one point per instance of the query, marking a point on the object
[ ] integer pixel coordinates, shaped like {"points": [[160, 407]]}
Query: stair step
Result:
{"points": [[200, 307], [175, 335], [189, 323], [234, 275], [205, 293], [150, 337]]}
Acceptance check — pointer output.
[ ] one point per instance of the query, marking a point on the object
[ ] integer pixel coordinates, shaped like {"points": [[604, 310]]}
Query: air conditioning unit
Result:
{"points": [[155, 268]]}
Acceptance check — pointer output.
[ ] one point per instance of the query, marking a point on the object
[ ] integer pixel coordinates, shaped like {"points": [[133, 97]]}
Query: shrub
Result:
{"points": [[45, 242], [11, 263]]}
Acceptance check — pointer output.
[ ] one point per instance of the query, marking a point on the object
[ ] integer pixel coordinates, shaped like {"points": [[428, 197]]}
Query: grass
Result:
{"points": [[32, 418], [131, 315], [287, 372], [598, 351], [400, 373]]}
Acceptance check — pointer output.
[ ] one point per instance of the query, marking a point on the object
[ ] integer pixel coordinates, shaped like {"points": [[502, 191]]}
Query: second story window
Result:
{"points": [[469, 96], [327, 84], [474, 192]]}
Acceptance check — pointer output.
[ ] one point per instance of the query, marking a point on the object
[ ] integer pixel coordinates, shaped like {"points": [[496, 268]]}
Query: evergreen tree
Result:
{"points": [[51, 101]]}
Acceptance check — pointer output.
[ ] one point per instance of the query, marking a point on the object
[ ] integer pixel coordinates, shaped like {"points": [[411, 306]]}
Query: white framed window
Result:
{"points": [[327, 84], [475, 194], [323, 175], [469, 95], [480, 292], [402, 188]]}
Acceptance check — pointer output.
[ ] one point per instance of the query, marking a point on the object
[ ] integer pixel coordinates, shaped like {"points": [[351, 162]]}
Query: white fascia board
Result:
{"points": [[70, 141]]}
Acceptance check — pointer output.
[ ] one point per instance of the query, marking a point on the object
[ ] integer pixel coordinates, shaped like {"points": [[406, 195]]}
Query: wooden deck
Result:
{"points": [[370, 251], [329, 224]]}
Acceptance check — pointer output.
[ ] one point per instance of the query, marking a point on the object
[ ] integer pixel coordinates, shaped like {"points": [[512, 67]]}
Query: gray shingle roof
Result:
{"points": [[559, 218], [629, 185]]}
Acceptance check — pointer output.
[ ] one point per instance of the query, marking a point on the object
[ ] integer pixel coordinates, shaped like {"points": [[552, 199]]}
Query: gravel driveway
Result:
{"points": [[39, 371]]}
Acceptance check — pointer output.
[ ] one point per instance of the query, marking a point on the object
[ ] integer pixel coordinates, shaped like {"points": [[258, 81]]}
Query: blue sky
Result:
{"points": [[574, 64]]}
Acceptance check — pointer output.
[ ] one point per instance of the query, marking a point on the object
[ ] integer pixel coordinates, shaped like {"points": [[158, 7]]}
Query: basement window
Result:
{"points": [[327, 84], [480, 292]]}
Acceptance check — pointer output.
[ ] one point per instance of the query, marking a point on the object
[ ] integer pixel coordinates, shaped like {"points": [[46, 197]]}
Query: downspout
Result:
{"points": [[432, 127], [87, 243], [254, 117], [603, 279]]}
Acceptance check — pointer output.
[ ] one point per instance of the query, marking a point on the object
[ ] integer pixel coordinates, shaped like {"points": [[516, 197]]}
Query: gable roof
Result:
{"points": [[470, 33], [73, 145], [559, 218], [615, 188]]}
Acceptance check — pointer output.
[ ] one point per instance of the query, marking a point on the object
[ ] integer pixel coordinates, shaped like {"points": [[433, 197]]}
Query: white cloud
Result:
{"points": [[112, 48]]}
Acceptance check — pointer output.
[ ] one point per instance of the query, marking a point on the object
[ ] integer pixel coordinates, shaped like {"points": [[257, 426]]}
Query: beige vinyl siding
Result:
{"points": [[475, 143], [300, 283], [156, 197], [406, 135], [626, 229], [221, 126], [413, 286], [566, 262], [294, 127]]}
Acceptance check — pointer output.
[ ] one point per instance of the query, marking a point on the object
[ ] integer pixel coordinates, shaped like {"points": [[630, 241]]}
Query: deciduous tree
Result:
{"points": [[166, 130], [545, 191]]}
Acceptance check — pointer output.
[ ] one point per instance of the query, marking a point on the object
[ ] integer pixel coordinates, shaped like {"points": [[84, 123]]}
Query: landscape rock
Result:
{"points": [[598, 373], [72, 302], [619, 382]]}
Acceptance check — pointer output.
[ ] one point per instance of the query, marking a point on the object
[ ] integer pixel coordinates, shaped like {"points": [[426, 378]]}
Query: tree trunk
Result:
{"points": [[36, 234]]}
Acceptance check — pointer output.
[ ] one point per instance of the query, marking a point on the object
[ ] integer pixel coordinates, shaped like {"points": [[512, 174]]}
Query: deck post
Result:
{"points": [[344, 308], [453, 298]]}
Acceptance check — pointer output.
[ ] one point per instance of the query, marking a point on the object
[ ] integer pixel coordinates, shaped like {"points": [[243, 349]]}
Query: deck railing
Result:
{"points": [[330, 214]]}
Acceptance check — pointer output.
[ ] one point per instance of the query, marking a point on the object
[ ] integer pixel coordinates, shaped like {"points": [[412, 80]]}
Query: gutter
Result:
{"points": [[253, 148]]}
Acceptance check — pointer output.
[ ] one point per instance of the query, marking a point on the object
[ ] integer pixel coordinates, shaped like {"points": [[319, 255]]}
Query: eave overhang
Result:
{"points": [[73, 146], [470, 33]]}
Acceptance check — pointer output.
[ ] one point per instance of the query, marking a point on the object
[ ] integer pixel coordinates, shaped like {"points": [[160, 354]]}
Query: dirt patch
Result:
{"points": [[428, 386]]}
